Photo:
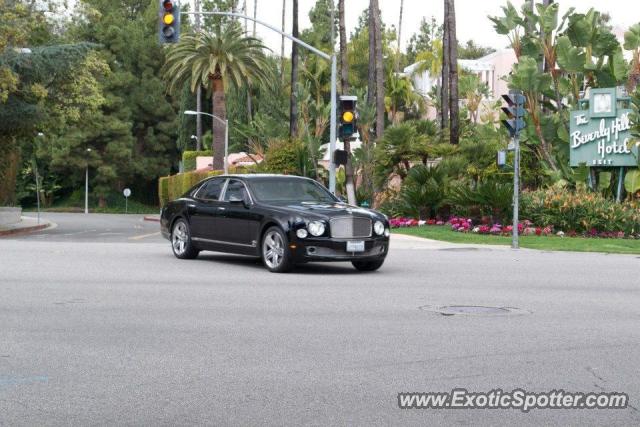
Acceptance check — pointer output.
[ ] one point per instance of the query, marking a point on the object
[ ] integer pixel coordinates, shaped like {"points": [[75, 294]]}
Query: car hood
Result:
{"points": [[328, 210]]}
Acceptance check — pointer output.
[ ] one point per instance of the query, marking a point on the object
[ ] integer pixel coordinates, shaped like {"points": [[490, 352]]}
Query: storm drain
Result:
{"points": [[474, 310]]}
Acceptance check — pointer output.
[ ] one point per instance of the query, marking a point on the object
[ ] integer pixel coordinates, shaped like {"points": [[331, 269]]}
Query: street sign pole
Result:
{"points": [[126, 193], [514, 123]]}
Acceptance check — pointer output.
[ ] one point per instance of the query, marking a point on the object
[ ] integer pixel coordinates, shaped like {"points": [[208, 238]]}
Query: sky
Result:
{"points": [[471, 16]]}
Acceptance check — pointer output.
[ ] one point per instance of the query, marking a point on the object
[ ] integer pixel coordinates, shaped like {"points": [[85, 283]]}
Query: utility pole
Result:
{"points": [[199, 89]]}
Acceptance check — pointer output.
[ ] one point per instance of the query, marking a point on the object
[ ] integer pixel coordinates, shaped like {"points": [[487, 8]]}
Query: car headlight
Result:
{"points": [[378, 227], [302, 233], [316, 228]]}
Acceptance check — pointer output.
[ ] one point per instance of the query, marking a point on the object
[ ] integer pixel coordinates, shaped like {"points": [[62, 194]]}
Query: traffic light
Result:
{"points": [[514, 112], [348, 117], [169, 28]]}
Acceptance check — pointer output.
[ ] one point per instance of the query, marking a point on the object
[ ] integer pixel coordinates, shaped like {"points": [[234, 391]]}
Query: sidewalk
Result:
{"points": [[26, 225], [412, 242]]}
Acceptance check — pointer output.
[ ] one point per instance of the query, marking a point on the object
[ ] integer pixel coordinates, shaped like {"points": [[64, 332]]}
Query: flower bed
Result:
{"points": [[525, 228]]}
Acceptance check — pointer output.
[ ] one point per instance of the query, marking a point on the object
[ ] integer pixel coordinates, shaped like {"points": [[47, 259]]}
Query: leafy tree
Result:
{"points": [[319, 34], [470, 50], [423, 40], [217, 61], [400, 95]]}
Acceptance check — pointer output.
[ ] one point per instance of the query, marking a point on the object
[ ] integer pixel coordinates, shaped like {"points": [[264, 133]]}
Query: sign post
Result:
{"points": [[126, 193]]}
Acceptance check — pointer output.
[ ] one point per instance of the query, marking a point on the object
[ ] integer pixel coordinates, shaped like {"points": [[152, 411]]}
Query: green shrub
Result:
{"points": [[489, 198], [173, 186], [189, 159], [283, 156], [424, 192], [580, 211]]}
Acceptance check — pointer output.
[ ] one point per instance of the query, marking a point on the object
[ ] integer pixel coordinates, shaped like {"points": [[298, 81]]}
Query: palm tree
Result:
{"points": [[444, 75], [371, 80], [217, 61], [454, 127], [293, 102]]}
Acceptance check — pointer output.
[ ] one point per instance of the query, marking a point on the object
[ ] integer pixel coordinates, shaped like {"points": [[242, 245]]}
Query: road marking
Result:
{"points": [[142, 236]]}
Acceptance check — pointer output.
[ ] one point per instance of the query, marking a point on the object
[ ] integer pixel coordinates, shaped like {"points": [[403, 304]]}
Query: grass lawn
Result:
{"points": [[552, 243]]}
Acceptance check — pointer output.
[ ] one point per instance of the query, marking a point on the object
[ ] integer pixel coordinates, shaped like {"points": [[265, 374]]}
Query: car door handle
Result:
{"points": [[221, 208]]}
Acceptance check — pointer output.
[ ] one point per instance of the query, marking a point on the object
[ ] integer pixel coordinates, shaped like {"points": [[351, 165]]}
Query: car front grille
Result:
{"points": [[349, 227]]}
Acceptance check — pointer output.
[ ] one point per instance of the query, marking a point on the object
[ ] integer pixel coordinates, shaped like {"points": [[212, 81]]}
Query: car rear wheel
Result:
{"points": [[181, 243], [368, 265], [275, 251]]}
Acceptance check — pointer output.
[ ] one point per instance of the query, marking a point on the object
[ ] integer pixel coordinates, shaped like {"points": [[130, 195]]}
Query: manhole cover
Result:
{"points": [[474, 310]]}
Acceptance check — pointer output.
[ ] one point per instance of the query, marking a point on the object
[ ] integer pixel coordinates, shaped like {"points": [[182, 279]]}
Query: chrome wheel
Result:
{"points": [[273, 249], [179, 238]]}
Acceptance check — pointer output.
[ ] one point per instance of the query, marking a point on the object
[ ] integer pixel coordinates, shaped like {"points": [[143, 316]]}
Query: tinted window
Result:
{"points": [[290, 190], [211, 190], [235, 191]]}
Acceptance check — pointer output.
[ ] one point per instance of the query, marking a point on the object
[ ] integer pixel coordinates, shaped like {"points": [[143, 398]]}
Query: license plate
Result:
{"points": [[356, 246]]}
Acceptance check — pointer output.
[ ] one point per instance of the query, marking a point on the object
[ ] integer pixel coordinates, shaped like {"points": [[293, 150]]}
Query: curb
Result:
{"points": [[24, 229], [151, 218]]}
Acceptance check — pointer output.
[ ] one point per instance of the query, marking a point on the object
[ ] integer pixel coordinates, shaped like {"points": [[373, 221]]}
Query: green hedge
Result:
{"points": [[173, 186], [189, 159]]}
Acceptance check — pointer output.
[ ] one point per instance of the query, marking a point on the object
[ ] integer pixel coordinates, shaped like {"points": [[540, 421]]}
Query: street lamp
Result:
{"points": [[225, 122], [86, 185]]}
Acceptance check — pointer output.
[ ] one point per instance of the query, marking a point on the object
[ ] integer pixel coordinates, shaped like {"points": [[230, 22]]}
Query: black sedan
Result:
{"points": [[285, 220]]}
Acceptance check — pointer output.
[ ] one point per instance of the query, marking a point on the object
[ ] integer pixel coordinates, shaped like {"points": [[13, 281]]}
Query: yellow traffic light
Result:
{"points": [[347, 117], [168, 19]]}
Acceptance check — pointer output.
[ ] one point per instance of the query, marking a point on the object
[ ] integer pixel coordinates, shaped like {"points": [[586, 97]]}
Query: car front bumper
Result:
{"points": [[331, 249]]}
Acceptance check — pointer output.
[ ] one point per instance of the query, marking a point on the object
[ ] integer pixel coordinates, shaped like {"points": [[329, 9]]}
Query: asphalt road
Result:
{"points": [[101, 325]]}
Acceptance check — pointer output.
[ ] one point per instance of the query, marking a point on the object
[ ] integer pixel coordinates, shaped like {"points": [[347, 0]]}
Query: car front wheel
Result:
{"points": [[275, 251], [181, 243], [368, 265]]}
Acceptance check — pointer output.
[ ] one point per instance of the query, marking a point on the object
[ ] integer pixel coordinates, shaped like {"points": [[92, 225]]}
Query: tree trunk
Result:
{"points": [[399, 36], [293, 102], [219, 108], [255, 10], [284, 5], [371, 83], [379, 74], [444, 85], [344, 65], [453, 75]]}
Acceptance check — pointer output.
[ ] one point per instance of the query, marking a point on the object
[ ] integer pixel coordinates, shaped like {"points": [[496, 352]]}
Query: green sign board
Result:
{"points": [[601, 135]]}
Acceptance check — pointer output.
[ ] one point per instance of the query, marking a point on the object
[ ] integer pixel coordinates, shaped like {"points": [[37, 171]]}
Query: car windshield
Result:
{"points": [[290, 190]]}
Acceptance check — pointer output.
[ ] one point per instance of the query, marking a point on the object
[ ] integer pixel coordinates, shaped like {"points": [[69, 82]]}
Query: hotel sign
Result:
{"points": [[601, 135]]}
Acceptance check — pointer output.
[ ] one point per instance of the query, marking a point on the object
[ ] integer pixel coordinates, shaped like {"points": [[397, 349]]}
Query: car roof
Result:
{"points": [[255, 176]]}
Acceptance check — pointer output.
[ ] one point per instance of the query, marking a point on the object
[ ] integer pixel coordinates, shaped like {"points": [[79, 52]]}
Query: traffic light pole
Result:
{"points": [[334, 67], [516, 192]]}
